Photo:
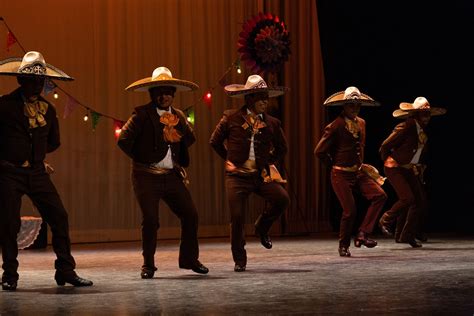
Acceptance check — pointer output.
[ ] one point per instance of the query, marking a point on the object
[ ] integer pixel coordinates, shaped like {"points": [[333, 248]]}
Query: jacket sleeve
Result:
{"points": [[325, 144], [393, 141], [53, 134], [129, 134], [280, 146], [220, 134]]}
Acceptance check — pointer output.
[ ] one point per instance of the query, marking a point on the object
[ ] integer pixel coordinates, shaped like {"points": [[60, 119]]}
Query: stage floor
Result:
{"points": [[298, 276]]}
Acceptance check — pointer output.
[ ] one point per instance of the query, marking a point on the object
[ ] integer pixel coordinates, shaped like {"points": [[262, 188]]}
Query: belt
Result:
{"points": [[137, 166], [25, 164], [249, 167], [353, 168], [415, 167]]}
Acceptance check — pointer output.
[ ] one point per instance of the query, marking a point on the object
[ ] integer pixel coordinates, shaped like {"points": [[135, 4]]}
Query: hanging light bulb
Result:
{"points": [[207, 98], [237, 65], [190, 115], [55, 95], [118, 130], [86, 116]]}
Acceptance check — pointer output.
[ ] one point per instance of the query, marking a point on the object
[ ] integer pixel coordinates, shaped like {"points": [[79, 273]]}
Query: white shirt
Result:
{"points": [[167, 162], [416, 156], [252, 148]]}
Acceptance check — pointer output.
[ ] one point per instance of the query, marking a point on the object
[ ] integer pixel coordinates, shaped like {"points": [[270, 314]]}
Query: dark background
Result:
{"points": [[396, 51]]}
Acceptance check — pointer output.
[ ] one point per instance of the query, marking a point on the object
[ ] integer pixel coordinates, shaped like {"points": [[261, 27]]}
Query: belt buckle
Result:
{"points": [[26, 164]]}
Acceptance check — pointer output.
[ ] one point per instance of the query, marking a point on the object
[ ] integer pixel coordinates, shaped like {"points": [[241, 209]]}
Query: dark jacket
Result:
{"points": [[339, 147], [142, 137], [402, 143], [269, 144], [20, 143]]}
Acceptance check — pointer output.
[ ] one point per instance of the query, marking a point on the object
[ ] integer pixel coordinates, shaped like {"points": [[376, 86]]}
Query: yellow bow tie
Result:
{"points": [[353, 127], [422, 138], [35, 111]]}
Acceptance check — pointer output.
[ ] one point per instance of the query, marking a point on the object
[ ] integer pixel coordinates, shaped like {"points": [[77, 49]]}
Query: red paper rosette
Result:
{"points": [[264, 43]]}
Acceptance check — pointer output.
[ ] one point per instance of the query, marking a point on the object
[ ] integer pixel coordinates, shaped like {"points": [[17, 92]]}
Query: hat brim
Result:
{"points": [[148, 83], [337, 99], [239, 91], [10, 66], [401, 114]]}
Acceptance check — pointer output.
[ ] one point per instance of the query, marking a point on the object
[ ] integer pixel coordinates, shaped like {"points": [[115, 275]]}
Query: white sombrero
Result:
{"points": [[350, 95], [32, 64], [254, 84], [162, 77], [420, 104]]}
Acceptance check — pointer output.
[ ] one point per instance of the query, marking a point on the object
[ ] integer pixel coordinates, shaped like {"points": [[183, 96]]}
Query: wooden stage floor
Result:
{"points": [[300, 275]]}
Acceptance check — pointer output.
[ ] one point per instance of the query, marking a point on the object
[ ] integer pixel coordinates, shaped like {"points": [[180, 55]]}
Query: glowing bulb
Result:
{"points": [[55, 95], [239, 71], [86, 118], [117, 131], [208, 95]]}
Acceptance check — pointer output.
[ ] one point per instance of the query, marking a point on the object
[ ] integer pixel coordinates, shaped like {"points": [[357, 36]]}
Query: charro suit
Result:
{"points": [[231, 139], [344, 150], [142, 140], [397, 151], [22, 152]]}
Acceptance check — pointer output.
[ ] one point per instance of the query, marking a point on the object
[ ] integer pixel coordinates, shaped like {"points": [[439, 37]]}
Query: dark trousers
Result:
{"points": [[37, 185], [238, 191], [149, 190], [409, 207], [343, 184]]}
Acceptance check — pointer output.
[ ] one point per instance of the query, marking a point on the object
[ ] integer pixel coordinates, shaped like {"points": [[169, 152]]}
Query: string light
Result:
{"points": [[237, 65], [189, 114], [207, 98], [118, 130]]}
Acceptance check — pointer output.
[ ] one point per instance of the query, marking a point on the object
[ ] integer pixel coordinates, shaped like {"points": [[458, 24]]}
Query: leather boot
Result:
{"points": [[362, 239]]}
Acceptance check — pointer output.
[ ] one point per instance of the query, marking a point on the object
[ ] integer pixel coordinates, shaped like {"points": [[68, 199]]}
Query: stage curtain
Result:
{"points": [[106, 45]]}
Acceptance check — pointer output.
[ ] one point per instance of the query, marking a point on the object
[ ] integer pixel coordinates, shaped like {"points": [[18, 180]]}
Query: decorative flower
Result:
{"points": [[264, 43], [170, 134], [169, 119], [253, 124]]}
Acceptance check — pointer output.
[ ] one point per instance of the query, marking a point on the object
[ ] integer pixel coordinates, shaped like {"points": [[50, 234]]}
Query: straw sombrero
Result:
{"points": [[254, 84], [162, 77], [350, 95], [420, 104], [32, 64]]}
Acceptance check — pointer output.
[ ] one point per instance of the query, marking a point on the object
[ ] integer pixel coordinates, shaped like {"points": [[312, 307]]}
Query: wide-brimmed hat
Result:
{"points": [[348, 96], [162, 77], [32, 64], [254, 84], [420, 104]]}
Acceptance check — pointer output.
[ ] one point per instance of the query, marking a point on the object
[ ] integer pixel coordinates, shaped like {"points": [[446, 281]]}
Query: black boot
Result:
{"points": [[362, 239], [71, 278], [148, 273], [344, 251], [261, 231], [9, 285], [385, 227]]}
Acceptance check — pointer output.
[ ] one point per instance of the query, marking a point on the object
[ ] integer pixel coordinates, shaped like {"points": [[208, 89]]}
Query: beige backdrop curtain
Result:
{"points": [[106, 45]]}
